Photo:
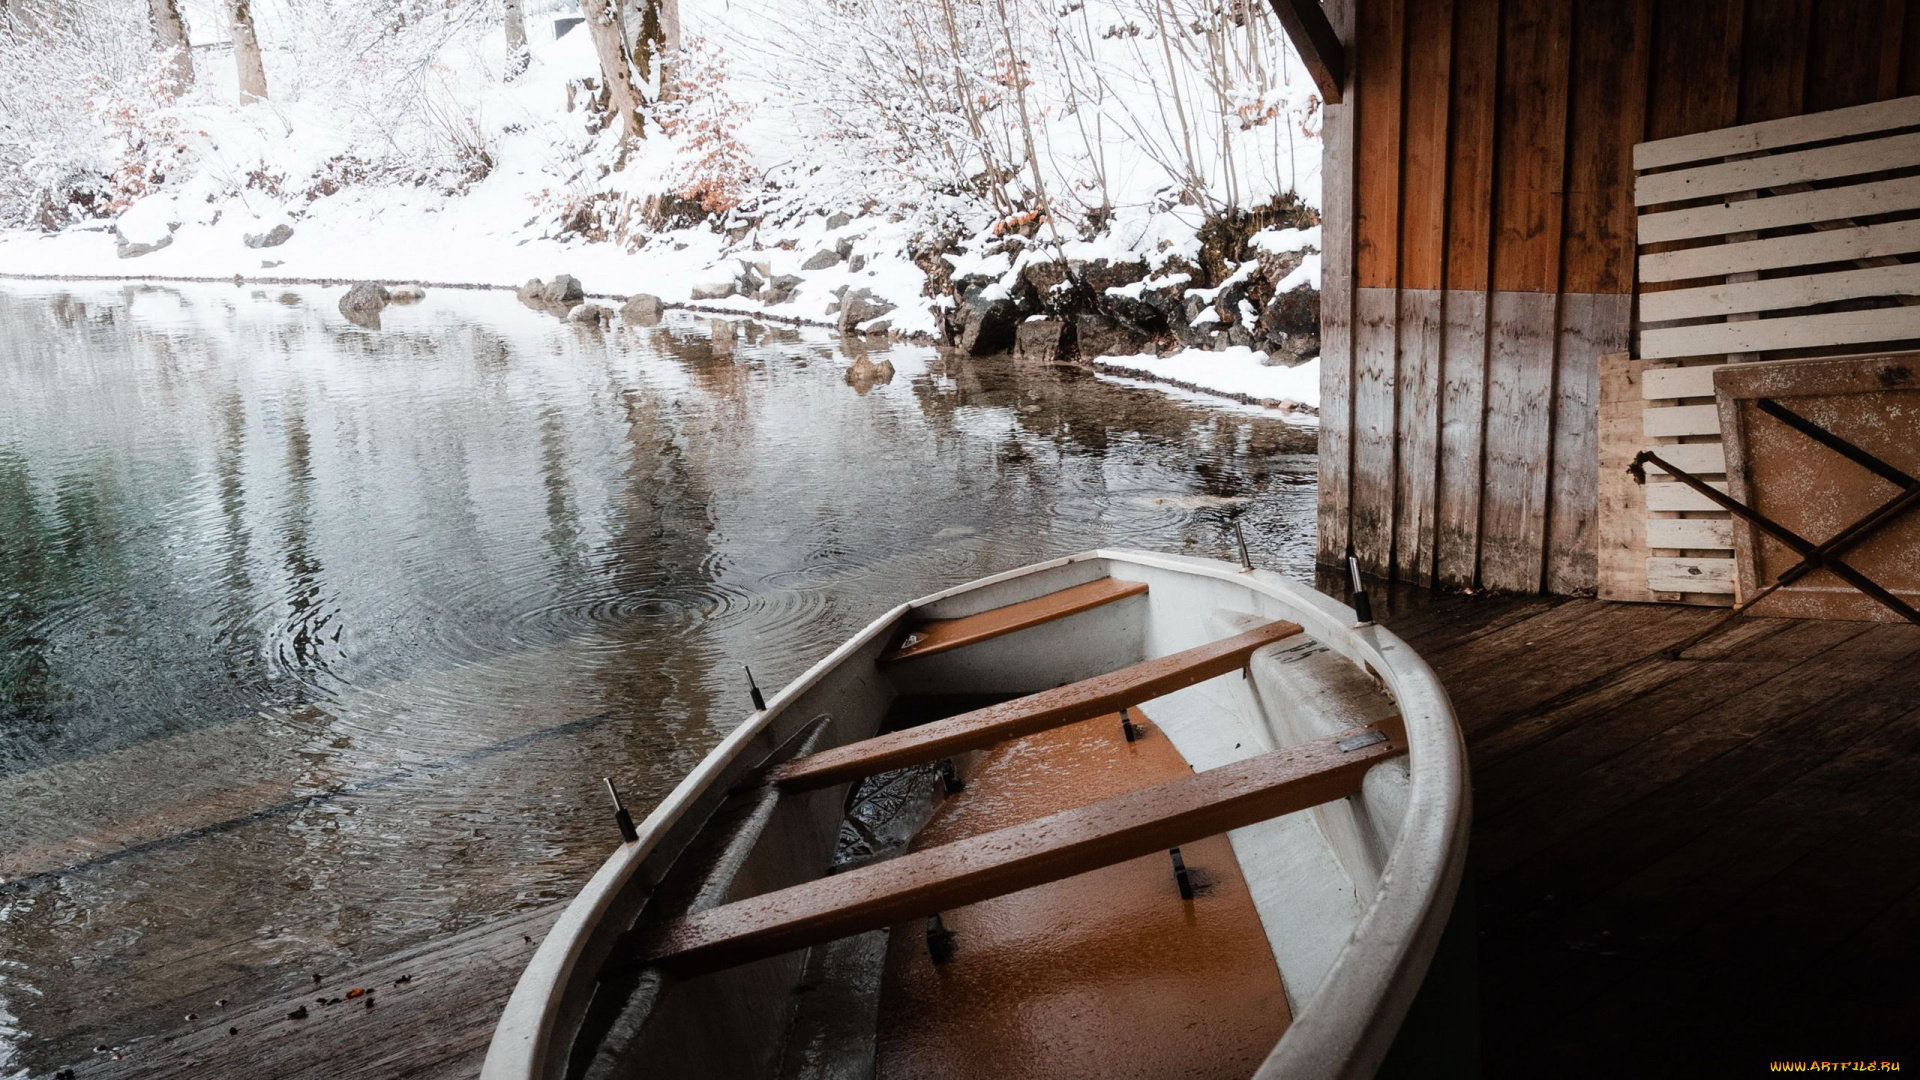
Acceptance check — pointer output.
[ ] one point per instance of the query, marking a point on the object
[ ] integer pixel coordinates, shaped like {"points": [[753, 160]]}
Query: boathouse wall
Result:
{"points": [[1479, 248]]}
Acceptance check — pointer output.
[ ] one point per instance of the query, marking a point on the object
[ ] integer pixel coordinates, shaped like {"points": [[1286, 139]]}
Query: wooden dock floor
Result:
{"points": [[1690, 858]]}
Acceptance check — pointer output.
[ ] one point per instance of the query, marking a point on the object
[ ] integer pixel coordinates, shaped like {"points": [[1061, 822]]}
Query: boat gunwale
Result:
{"points": [[1343, 1028]]}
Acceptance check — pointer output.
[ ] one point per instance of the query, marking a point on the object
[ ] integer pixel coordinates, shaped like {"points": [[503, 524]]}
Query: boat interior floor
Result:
{"points": [[1105, 974]]}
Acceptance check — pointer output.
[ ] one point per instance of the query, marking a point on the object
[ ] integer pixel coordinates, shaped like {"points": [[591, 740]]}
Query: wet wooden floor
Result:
{"points": [[1690, 858]]}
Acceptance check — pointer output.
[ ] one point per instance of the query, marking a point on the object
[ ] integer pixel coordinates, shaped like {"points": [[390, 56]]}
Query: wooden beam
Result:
{"points": [[1319, 47], [1144, 822], [1023, 716], [936, 636]]}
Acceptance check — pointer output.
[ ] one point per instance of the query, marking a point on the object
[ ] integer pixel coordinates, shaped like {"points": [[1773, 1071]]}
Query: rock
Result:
{"points": [[840, 220], [641, 309], [858, 306], [127, 250], [780, 289], [407, 294], [362, 303], [591, 315], [556, 297], [268, 264], [1039, 342], [748, 284], [879, 327], [715, 290], [1100, 336], [821, 260], [844, 247], [987, 327], [864, 375], [273, 237], [857, 263], [1289, 326], [565, 289]]}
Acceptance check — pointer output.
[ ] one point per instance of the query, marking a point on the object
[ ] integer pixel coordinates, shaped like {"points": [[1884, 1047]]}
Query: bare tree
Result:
{"points": [[670, 45], [170, 29], [246, 52], [516, 23], [609, 43]]}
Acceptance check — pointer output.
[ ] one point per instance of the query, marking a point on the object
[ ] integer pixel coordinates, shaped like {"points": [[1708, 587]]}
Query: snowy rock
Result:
{"points": [[591, 315], [879, 327], [864, 375], [273, 237], [844, 247], [715, 290], [780, 289], [641, 309], [362, 303], [857, 263], [859, 306], [564, 289], [1101, 336], [1039, 342], [132, 249], [406, 294], [840, 220], [987, 326], [821, 260], [748, 283]]}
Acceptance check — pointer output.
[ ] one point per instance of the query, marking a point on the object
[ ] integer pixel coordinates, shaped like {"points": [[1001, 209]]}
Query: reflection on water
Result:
{"points": [[315, 641]]}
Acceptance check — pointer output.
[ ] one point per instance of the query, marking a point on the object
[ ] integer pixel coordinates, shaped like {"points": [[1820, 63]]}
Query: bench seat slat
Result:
{"points": [[1023, 716], [936, 636]]}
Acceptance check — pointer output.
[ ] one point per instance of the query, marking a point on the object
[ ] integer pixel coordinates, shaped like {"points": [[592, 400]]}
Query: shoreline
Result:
{"points": [[1098, 367]]}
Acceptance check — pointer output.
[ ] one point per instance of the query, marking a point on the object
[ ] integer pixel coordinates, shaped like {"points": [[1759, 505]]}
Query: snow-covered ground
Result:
{"points": [[407, 155]]}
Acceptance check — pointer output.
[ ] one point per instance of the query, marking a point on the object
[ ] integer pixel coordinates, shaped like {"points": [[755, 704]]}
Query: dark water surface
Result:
{"points": [[315, 641]]}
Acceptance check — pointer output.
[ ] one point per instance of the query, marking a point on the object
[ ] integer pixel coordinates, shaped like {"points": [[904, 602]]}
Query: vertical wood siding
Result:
{"points": [[1479, 262]]}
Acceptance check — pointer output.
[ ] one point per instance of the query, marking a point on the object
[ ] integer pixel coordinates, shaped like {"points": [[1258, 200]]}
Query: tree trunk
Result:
{"points": [[604, 26], [517, 55], [170, 30], [669, 45], [246, 52]]}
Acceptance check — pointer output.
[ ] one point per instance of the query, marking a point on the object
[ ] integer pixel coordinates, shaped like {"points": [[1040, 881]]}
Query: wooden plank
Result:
{"points": [[1674, 420], [1024, 716], [1690, 575], [1623, 505], [1899, 279], [1419, 413], [1791, 332], [1590, 326], [1773, 134], [1378, 77], [1319, 48], [1519, 440], [1695, 46], [1606, 116], [1335, 473], [1375, 399], [1756, 174], [1665, 496], [1423, 169], [1667, 383], [1689, 533], [1773, 63], [1530, 146], [941, 635], [1017, 857], [1834, 245], [1846, 52], [1697, 458], [1795, 208], [1463, 372], [1472, 119]]}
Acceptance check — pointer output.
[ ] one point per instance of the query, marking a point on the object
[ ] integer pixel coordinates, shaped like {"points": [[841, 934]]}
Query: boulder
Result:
{"points": [[126, 249], [748, 283], [362, 303], [563, 291], [273, 237], [844, 246], [857, 307], [879, 327], [641, 309], [591, 315], [1100, 336], [1289, 326], [406, 294], [780, 289], [864, 375], [821, 260], [840, 220], [856, 263], [986, 326], [1040, 341], [715, 290]]}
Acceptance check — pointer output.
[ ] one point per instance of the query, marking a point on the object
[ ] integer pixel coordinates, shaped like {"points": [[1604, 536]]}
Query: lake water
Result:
{"points": [[315, 641]]}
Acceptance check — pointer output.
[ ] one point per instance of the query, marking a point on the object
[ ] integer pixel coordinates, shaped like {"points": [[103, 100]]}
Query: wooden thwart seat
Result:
{"points": [[940, 635], [1023, 716], [1033, 853]]}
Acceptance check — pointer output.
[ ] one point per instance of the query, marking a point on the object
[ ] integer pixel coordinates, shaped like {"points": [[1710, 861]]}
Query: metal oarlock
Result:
{"points": [[950, 777], [759, 701], [1240, 538], [620, 816], [1362, 607], [1126, 726], [1180, 875]]}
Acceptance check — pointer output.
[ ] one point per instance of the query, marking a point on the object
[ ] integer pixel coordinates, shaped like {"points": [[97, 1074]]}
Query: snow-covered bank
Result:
{"points": [[1239, 373]]}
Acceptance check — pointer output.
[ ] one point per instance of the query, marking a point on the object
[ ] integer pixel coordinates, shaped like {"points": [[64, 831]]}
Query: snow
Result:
{"points": [[1238, 372]]}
